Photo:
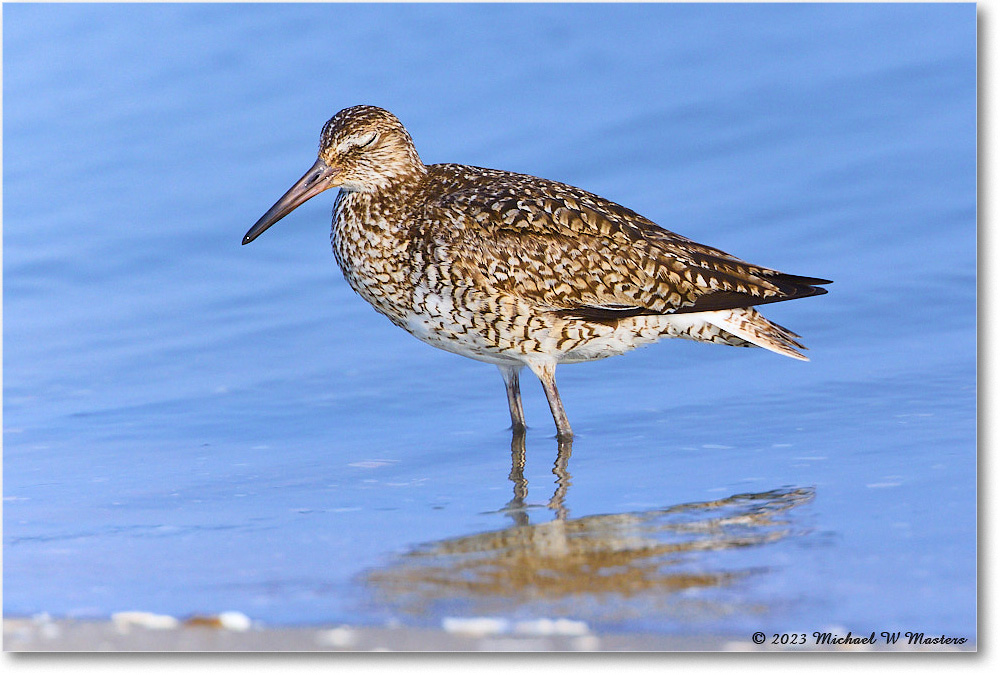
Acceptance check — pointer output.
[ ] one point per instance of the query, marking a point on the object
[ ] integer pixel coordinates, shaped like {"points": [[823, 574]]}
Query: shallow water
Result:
{"points": [[195, 426]]}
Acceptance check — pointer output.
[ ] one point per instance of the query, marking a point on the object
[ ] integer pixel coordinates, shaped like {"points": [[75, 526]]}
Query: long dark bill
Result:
{"points": [[320, 177]]}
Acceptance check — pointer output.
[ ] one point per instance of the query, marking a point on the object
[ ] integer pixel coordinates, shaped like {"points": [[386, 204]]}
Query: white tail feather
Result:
{"points": [[747, 323]]}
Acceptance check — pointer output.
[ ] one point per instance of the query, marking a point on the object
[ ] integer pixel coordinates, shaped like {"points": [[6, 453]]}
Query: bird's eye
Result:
{"points": [[357, 143]]}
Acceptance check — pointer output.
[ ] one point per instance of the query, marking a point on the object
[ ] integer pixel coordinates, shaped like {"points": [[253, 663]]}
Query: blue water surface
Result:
{"points": [[193, 426]]}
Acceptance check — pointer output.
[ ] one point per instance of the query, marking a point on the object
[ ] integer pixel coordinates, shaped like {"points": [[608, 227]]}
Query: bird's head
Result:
{"points": [[362, 149]]}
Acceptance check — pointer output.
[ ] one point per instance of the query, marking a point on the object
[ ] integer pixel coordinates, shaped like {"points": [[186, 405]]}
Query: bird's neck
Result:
{"points": [[387, 191], [378, 207]]}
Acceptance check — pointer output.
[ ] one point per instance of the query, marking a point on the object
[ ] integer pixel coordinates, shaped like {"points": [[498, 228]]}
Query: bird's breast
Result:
{"points": [[371, 247]]}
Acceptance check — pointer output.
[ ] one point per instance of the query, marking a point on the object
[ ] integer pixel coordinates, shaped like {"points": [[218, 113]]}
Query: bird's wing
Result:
{"points": [[580, 255]]}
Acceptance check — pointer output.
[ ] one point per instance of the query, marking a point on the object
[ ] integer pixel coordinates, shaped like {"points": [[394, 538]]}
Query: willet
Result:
{"points": [[519, 271]]}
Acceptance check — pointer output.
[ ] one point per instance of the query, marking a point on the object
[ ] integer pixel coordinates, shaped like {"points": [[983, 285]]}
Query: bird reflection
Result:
{"points": [[517, 507], [655, 553]]}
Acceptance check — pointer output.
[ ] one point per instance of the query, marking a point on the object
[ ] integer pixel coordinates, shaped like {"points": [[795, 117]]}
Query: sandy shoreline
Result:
{"points": [[43, 634]]}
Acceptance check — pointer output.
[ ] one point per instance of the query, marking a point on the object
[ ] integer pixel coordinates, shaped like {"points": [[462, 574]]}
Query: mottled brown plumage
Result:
{"points": [[521, 271]]}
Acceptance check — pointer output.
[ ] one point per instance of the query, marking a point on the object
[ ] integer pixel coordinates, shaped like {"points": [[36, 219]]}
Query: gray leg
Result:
{"points": [[547, 374], [511, 381]]}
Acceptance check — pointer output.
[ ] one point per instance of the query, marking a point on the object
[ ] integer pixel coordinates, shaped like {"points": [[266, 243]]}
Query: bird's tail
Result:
{"points": [[750, 325]]}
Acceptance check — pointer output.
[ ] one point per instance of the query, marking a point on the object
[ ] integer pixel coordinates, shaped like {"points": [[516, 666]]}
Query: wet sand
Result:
{"points": [[42, 634]]}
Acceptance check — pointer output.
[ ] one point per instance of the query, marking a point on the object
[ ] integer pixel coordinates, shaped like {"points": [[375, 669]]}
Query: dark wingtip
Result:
{"points": [[808, 281], [790, 287]]}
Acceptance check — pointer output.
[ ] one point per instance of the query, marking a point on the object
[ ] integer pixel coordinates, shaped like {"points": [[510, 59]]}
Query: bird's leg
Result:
{"points": [[510, 380], [546, 372]]}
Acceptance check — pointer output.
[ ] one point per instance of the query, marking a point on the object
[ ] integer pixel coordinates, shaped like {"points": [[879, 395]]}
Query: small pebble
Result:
{"points": [[482, 625], [551, 627], [342, 637], [125, 620]]}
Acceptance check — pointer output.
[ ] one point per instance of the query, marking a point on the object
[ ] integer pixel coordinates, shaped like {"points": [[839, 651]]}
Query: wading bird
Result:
{"points": [[521, 271]]}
